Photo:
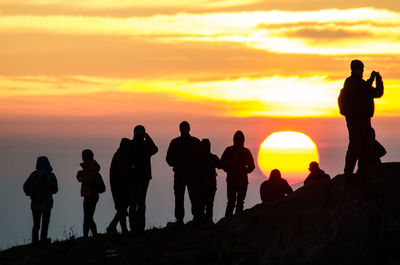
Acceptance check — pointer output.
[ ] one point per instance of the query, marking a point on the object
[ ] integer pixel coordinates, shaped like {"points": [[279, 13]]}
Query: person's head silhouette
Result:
{"points": [[238, 138], [184, 128], [357, 67], [87, 155], [314, 166], [43, 164], [139, 131], [275, 174]]}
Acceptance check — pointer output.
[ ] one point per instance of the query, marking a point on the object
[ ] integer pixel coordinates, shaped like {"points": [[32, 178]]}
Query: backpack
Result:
{"points": [[344, 102], [39, 188], [99, 186]]}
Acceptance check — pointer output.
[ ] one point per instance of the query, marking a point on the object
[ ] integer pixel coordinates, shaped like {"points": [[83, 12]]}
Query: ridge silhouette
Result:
{"points": [[320, 223]]}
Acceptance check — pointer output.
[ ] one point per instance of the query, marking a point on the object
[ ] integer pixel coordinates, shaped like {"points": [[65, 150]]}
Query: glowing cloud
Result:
{"points": [[274, 96], [276, 31]]}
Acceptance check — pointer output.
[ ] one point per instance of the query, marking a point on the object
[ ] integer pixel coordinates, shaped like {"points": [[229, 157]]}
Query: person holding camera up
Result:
{"points": [[356, 103], [142, 149]]}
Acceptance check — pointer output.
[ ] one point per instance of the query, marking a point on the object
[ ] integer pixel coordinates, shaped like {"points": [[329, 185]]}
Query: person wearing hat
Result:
{"points": [[142, 149]]}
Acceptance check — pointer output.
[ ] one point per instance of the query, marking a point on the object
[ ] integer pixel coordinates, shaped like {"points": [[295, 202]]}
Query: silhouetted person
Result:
{"points": [[316, 174], [356, 102], [237, 162], [40, 186], [185, 156], [142, 149], [275, 188], [120, 172], [211, 163], [377, 151], [88, 177]]}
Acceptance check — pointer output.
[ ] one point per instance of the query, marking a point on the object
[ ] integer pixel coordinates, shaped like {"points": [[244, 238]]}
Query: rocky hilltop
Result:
{"points": [[328, 222]]}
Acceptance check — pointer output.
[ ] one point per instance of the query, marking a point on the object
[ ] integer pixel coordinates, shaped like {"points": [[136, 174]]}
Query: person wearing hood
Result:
{"points": [[40, 186], [120, 172], [275, 188], [237, 161], [142, 148], [316, 174], [88, 176], [185, 156]]}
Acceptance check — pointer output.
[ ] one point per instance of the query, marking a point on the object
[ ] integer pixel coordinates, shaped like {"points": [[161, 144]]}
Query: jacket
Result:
{"points": [[359, 96], [88, 177], [274, 189], [315, 176], [237, 162], [40, 186], [141, 151], [185, 154]]}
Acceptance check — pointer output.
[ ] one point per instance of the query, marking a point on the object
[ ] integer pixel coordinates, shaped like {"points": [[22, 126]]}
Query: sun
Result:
{"points": [[290, 152]]}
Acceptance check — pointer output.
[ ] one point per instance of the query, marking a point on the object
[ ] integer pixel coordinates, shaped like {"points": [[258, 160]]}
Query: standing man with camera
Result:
{"points": [[356, 103], [142, 149]]}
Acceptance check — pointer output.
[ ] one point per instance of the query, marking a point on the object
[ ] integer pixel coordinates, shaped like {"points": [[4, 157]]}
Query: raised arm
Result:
{"points": [[153, 149], [378, 91]]}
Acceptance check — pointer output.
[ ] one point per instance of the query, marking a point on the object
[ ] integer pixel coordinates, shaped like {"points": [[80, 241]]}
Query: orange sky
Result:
{"points": [[78, 74], [240, 58]]}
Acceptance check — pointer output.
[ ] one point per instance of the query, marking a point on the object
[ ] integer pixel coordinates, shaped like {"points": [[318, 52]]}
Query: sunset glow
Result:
{"points": [[252, 63], [78, 74], [288, 151]]}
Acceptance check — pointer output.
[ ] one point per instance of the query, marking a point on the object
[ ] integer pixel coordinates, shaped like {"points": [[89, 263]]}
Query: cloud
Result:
{"points": [[158, 7], [327, 34], [241, 28]]}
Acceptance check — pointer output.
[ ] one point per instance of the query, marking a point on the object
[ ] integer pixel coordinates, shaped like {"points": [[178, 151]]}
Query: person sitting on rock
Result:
{"points": [[275, 188], [316, 174]]}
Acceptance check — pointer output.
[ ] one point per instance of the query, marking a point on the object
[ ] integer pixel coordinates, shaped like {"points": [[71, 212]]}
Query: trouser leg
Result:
{"points": [[132, 203], [352, 152], [179, 191], [121, 216], [231, 194], [365, 146], [241, 195], [45, 225], [140, 215], [36, 226], [209, 204], [113, 224], [89, 207], [194, 190]]}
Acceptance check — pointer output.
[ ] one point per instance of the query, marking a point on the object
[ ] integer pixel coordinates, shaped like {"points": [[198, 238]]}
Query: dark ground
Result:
{"points": [[329, 222]]}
